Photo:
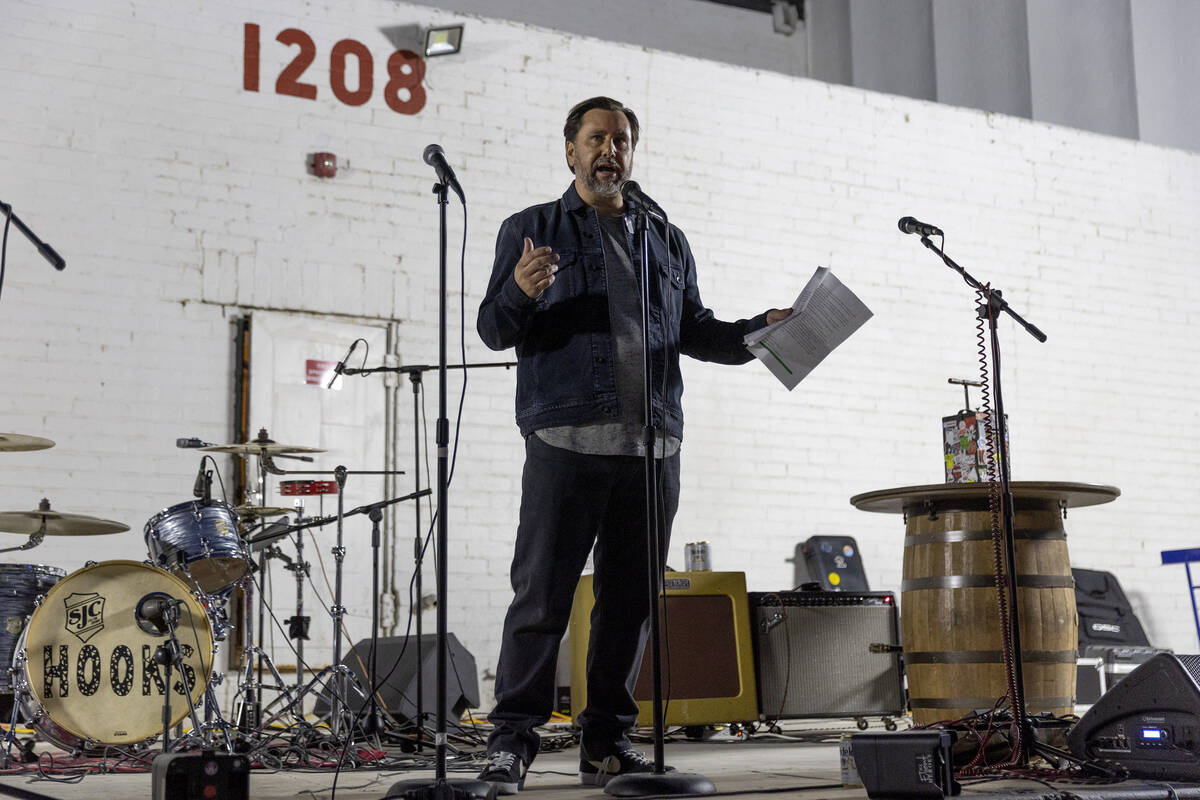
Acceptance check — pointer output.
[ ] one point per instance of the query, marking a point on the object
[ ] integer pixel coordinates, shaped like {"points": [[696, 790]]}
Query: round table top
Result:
{"points": [[946, 495]]}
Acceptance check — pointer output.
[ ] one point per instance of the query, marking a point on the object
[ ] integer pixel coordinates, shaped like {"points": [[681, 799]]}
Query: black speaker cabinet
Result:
{"points": [[399, 691], [826, 654], [1149, 722]]}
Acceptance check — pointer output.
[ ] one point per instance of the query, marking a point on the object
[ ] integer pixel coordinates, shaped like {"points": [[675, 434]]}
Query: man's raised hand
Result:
{"points": [[535, 270]]}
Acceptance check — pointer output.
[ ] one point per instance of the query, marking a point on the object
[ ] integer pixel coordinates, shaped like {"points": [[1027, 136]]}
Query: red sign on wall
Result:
{"points": [[318, 373], [403, 92]]}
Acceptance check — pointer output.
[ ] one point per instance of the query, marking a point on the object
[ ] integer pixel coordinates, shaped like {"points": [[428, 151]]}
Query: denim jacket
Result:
{"points": [[565, 372]]}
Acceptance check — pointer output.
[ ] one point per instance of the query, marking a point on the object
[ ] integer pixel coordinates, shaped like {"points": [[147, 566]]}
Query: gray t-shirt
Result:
{"points": [[622, 437]]}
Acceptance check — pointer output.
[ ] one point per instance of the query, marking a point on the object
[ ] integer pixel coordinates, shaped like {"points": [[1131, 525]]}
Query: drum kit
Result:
{"points": [[118, 652]]}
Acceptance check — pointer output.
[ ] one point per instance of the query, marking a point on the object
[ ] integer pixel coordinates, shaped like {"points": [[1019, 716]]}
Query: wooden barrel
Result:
{"points": [[953, 651]]}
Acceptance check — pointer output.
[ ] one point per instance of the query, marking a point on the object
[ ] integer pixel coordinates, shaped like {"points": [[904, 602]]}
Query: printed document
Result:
{"points": [[823, 316]]}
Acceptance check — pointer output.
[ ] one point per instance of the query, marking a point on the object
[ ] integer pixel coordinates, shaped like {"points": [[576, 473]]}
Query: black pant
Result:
{"points": [[569, 502]]}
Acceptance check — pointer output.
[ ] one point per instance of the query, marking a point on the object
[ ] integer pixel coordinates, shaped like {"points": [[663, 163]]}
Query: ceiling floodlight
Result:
{"points": [[443, 41], [786, 16]]}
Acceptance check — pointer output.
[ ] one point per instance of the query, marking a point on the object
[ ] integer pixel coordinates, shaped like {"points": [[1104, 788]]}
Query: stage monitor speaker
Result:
{"points": [[399, 691], [906, 765], [827, 654], [1148, 723], [708, 666], [832, 561]]}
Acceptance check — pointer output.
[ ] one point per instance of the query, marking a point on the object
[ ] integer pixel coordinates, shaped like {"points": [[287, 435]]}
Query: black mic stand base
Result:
{"points": [[441, 790], [654, 784]]}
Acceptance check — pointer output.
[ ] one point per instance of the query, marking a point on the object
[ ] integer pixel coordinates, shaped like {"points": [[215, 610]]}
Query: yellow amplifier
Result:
{"points": [[707, 651]]}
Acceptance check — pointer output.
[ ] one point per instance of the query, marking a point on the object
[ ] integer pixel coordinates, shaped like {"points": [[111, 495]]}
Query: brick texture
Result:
{"points": [[181, 200]]}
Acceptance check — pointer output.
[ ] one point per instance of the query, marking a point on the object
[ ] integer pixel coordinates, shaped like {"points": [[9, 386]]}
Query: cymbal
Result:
{"points": [[58, 523], [11, 442], [261, 449], [247, 511]]}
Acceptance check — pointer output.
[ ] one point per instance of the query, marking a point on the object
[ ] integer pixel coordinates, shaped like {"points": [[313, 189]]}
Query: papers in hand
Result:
{"points": [[823, 316]]}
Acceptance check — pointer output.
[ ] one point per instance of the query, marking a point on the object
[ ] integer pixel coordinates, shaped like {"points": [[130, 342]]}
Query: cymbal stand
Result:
{"points": [[35, 538], [298, 624], [255, 660]]}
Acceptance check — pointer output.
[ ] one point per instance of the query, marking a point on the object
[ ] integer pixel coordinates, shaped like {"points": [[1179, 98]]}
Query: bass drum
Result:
{"points": [[85, 668]]}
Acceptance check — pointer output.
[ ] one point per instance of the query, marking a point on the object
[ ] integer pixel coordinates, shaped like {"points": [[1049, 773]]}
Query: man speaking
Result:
{"points": [[564, 291]]}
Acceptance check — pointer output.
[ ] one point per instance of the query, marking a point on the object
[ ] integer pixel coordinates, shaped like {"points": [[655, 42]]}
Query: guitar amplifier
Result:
{"points": [[826, 654]]}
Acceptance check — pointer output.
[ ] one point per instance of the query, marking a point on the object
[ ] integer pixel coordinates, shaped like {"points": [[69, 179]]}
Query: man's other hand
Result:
{"points": [[773, 315]]}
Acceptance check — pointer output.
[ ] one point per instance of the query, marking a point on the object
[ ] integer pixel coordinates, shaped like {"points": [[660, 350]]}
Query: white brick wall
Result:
{"points": [[178, 200]]}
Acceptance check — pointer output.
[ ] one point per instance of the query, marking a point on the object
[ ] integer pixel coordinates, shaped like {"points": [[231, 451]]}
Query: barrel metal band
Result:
{"points": [[985, 702], [947, 537], [979, 581], [988, 657]]}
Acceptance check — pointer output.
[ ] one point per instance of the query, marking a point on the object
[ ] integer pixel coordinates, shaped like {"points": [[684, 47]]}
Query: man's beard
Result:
{"points": [[600, 186]]}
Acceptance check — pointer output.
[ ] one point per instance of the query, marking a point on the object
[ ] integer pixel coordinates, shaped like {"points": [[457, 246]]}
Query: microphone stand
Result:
{"points": [[441, 788], [415, 373], [991, 310], [660, 782]]}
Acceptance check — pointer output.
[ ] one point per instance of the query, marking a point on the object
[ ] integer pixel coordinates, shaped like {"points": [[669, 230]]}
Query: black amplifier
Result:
{"points": [[826, 654]]}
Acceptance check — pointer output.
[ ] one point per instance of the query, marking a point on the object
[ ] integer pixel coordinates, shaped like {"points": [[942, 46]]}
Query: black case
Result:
{"points": [[832, 561], [1105, 616]]}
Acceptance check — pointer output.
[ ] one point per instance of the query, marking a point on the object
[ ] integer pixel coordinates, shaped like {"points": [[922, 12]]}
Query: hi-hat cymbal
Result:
{"points": [[11, 442], [261, 449], [57, 523], [247, 511]]}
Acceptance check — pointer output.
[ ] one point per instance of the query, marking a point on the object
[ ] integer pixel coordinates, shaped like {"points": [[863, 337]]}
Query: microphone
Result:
{"points": [[158, 610], [633, 194], [192, 442], [200, 487], [435, 157], [341, 365], [913, 225]]}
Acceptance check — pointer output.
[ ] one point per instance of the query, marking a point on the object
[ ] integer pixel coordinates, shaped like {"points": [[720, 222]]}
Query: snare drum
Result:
{"points": [[85, 668], [200, 542], [20, 587]]}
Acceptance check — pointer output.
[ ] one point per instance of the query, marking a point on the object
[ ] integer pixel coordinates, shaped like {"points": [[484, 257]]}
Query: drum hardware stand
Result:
{"points": [[10, 736], [248, 717], [342, 675], [415, 373], [990, 311], [297, 624], [341, 680], [255, 660]]}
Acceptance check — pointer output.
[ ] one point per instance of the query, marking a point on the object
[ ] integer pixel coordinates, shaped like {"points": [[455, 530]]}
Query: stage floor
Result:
{"points": [[755, 769]]}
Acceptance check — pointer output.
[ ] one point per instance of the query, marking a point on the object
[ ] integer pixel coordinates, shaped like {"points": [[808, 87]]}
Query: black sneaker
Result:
{"points": [[623, 762], [505, 771]]}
